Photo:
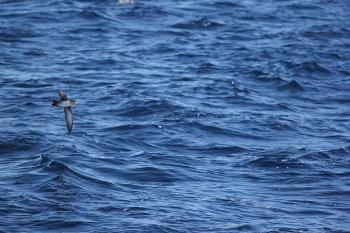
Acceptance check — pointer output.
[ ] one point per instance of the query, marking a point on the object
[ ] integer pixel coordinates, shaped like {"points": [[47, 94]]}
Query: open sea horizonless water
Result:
{"points": [[193, 116]]}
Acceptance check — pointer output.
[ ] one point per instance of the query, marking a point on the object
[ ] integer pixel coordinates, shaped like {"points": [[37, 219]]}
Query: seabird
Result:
{"points": [[66, 104]]}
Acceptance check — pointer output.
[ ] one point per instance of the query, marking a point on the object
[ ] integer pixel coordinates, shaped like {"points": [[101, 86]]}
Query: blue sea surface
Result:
{"points": [[193, 116]]}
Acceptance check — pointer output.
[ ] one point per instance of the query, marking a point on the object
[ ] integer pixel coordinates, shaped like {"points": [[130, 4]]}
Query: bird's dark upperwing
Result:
{"points": [[69, 118], [63, 95]]}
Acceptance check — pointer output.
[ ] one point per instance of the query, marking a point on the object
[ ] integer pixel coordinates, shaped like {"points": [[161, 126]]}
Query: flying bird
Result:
{"points": [[67, 105]]}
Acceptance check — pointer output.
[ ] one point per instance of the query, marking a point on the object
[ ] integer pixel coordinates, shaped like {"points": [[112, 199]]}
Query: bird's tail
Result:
{"points": [[54, 103]]}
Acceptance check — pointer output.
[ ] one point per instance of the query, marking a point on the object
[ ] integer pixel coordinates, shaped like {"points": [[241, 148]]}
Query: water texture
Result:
{"points": [[193, 116]]}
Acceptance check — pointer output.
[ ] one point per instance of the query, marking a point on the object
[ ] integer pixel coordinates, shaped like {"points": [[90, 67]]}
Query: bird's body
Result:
{"points": [[66, 104]]}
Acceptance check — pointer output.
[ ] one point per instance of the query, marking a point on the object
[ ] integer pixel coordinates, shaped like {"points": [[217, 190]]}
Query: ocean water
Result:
{"points": [[193, 116]]}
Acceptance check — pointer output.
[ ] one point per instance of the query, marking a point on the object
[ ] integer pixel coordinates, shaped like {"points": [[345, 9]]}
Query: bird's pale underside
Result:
{"points": [[67, 107]]}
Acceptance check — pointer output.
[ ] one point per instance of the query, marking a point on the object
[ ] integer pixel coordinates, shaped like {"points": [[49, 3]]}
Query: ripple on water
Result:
{"points": [[11, 143], [141, 108], [198, 24], [193, 116]]}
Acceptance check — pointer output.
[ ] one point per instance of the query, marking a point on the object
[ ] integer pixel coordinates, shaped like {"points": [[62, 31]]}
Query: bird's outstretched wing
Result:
{"points": [[69, 118], [63, 95]]}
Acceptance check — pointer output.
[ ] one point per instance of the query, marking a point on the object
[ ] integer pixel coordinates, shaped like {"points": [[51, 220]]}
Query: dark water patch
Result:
{"points": [[137, 108], [338, 193], [43, 159], [35, 53], [31, 83], [275, 80], [277, 160], [14, 143], [61, 168], [150, 174], [303, 6], [308, 68], [69, 80], [339, 99], [57, 167], [257, 73], [143, 10], [164, 48], [292, 86], [226, 88], [58, 224], [337, 153], [206, 68], [30, 104], [329, 162], [35, 16], [216, 130], [215, 150], [261, 18], [222, 149], [12, 35], [91, 14], [277, 124], [14, 110], [285, 106], [87, 29], [323, 33], [198, 24], [127, 127], [226, 4]]}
